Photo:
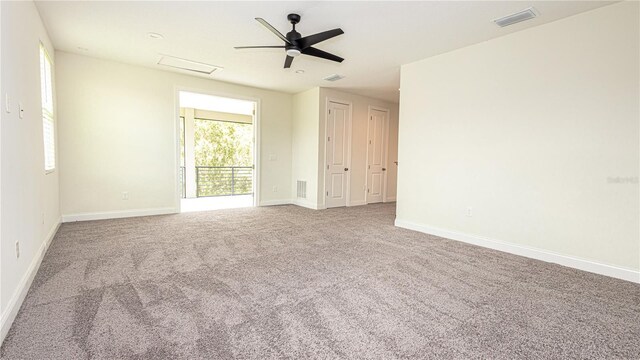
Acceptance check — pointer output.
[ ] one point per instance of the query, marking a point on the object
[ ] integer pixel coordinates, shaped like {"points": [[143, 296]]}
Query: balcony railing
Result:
{"points": [[224, 180]]}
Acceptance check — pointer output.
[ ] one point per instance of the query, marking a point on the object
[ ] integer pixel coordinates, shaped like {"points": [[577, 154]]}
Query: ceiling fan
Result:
{"points": [[295, 44]]}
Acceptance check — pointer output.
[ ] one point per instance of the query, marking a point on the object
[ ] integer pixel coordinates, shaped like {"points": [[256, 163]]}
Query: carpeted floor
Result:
{"points": [[287, 282]]}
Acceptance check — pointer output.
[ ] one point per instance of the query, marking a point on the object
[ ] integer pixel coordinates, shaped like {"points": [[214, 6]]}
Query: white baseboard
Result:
{"points": [[276, 202], [117, 214], [310, 205], [11, 311], [534, 253], [390, 199], [307, 204]]}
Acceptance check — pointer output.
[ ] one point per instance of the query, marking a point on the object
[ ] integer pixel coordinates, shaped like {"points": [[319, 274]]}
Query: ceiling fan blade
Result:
{"points": [[288, 61], [310, 40], [321, 54], [273, 30], [259, 47]]}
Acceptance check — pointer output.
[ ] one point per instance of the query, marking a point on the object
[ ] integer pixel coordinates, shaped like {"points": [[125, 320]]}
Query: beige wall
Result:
{"points": [[534, 131], [117, 129], [30, 209], [305, 129], [358, 169]]}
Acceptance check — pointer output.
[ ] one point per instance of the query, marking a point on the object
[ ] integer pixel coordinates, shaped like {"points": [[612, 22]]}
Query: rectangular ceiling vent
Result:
{"points": [[334, 77], [189, 65], [523, 15]]}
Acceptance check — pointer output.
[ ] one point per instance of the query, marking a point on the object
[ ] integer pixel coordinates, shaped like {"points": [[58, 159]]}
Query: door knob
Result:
{"points": [[384, 169], [346, 169]]}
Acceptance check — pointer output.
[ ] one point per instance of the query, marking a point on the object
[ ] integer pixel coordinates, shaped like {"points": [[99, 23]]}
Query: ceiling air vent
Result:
{"points": [[523, 15], [334, 77], [189, 65]]}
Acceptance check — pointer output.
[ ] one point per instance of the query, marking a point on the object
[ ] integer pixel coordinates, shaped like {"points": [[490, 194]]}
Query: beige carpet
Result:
{"points": [[287, 282]]}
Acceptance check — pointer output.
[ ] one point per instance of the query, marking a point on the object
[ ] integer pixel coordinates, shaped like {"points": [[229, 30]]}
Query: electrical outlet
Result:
{"points": [[469, 211], [20, 111], [125, 195], [17, 249], [275, 189]]}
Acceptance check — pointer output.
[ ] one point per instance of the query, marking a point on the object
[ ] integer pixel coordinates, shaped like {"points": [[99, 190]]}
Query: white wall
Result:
{"points": [[538, 132], [30, 208], [305, 130], [117, 129], [392, 156], [358, 169]]}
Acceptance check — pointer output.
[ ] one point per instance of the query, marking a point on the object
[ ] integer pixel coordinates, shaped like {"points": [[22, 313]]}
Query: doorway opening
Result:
{"points": [[217, 152]]}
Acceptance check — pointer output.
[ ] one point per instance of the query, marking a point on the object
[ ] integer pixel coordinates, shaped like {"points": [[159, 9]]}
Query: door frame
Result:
{"points": [[256, 138], [324, 147], [385, 151]]}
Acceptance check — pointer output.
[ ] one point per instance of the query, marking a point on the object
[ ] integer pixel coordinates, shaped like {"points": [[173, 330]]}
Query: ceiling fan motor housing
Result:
{"points": [[292, 36]]}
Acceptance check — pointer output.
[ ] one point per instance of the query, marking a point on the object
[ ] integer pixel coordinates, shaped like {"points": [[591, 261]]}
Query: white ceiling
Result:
{"points": [[379, 35]]}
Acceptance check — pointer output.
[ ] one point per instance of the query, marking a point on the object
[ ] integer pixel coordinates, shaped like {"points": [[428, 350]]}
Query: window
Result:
{"points": [[48, 126]]}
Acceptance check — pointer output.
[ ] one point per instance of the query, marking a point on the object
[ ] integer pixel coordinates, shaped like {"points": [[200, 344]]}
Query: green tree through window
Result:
{"points": [[223, 144]]}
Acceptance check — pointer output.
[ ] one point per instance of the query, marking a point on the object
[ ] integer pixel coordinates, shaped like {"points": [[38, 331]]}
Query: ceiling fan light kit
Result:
{"points": [[295, 44], [293, 52]]}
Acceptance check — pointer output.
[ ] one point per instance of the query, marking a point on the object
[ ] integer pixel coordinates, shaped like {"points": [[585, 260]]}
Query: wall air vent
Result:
{"points": [[523, 15], [189, 65], [334, 77], [302, 189]]}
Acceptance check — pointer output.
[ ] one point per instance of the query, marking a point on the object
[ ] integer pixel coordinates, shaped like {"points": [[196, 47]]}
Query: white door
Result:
{"points": [[337, 164], [376, 156]]}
